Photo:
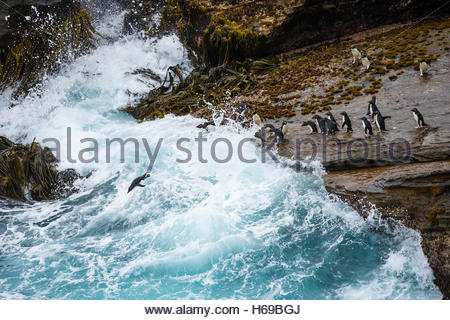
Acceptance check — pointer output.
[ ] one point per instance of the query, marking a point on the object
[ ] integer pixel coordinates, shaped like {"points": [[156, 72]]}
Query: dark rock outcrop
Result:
{"points": [[30, 173], [39, 35], [11, 5]]}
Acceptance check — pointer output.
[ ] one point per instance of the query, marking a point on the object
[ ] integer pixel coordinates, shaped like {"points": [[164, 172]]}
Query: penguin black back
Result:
{"points": [[330, 116], [367, 126], [311, 126], [206, 124], [346, 121], [279, 136], [331, 126], [372, 107], [320, 123], [242, 108], [380, 121]]}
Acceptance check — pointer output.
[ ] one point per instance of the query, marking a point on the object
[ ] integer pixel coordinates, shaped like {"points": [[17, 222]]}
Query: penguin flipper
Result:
{"points": [[141, 185]]}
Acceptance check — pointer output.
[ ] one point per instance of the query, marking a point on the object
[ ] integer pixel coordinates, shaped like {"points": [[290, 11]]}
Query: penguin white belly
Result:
{"points": [[366, 63], [364, 125], [378, 124], [417, 119], [257, 120], [423, 68], [343, 121], [356, 54], [318, 126]]}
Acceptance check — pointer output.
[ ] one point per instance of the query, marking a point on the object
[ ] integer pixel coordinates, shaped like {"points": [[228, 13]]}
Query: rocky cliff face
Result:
{"points": [[225, 31]]}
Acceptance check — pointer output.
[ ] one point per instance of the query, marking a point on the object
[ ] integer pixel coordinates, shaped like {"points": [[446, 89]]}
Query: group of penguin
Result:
{"points": [[358, 56], [318, 124], [329, 125]]}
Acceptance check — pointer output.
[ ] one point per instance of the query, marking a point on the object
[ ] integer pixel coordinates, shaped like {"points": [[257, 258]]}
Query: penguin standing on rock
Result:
{"points": [[284, 128], [379, 120], [419, 118], [372, 108], [334, 126], [326, 125], [356, 54], [367, 126], [330, 116], [320, 124], [242, 109], [257, 120], [279, 133], [365, 62], [261, 138], [312, 126], [346, 121], [423, 67]]}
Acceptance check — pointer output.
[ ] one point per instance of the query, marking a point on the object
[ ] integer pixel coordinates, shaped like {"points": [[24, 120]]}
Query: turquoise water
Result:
{"points": [[197, 231]]}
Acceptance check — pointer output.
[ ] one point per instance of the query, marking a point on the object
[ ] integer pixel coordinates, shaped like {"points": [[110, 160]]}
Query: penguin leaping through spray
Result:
{"points": [[423, 67], [208, 126], [367, 126], [137, 182], [419, 118], [346, 122], [379, 120], [365, 62], [356, 54]]}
